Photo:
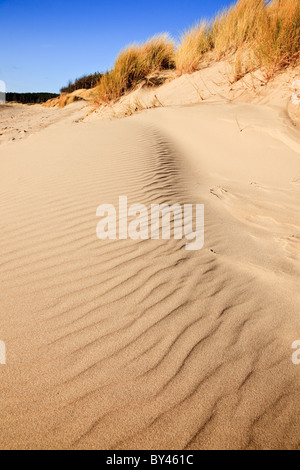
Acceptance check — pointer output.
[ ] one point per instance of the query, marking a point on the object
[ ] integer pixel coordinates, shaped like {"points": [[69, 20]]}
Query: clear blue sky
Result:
{"points": [[44, 43]]}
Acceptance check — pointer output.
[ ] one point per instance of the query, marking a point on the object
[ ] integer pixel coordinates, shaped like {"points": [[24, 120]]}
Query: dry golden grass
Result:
{"points": [[134, 64], [254, 33], [237, 26], [277, 44], [259, 33], [62, 101], [194, 44]]}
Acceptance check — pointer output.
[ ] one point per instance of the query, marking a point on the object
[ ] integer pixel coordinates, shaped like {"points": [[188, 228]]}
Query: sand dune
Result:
{"points": [[142, 344]]}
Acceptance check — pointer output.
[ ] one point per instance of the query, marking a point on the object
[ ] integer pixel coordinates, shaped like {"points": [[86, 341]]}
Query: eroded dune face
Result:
{"points": [[124, 344]]}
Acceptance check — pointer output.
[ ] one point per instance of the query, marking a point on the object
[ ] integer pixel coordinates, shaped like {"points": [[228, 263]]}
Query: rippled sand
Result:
{"points": [[142, 344]]}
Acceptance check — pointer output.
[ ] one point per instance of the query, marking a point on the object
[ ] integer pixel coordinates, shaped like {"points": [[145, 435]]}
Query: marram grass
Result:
{"points": [[266, 32]]}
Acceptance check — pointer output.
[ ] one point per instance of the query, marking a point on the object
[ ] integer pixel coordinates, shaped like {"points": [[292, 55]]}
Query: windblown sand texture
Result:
{"points": [[142, 344]]}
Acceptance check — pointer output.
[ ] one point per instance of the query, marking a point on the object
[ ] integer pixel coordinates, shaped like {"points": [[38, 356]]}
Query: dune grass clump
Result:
{"points": [[266, 32], [252, 34], [134, 64], [277, 44], [194, 44], [234, 29], [237, 27]]}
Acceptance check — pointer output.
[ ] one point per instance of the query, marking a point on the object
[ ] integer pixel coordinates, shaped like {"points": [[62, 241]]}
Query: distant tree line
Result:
{"points": [[86, 82], [30, 98]]}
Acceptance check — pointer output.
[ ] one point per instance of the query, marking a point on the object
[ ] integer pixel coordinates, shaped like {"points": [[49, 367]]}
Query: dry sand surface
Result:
{"points": [[142, 344], [20, 121]]}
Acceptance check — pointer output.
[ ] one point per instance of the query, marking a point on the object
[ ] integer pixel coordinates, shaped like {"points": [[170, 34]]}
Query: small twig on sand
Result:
{"points": [[237, 121], [160, 103], [204, 83], [197, 90]]}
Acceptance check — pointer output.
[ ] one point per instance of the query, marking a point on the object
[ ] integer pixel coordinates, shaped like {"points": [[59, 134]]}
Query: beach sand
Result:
{"points": [[126, 344]]}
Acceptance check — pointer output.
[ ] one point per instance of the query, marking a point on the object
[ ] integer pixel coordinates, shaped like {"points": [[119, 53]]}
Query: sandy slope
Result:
{"points": [[212, 84], [21, 121], [130, 345]]}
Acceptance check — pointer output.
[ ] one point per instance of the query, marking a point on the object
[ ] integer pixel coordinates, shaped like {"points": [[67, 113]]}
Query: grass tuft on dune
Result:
{"points": [[194, 44], [277, 44], [257, 34], [236, 27], [134, 64], [268, 33]]}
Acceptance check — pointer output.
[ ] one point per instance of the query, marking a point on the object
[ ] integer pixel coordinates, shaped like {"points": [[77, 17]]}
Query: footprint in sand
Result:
{"points": [[219, 192], [291, 244]]}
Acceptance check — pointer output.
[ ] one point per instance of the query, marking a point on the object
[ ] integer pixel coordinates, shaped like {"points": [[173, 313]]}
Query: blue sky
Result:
{"points": [[44, 43]]}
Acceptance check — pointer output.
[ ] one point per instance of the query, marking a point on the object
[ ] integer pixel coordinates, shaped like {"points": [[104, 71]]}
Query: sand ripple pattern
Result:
{"points": [[124, 344]]}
